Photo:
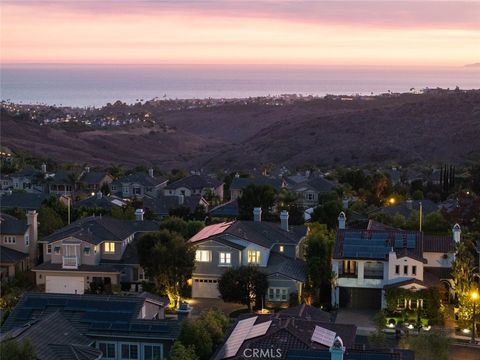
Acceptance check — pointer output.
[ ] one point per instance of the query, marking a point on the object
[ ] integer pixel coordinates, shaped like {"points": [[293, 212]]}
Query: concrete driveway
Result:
{"points": [[362, 318], [201, 304]]}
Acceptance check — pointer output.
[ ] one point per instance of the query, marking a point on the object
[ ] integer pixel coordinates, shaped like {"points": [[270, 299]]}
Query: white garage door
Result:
{"points": [[205, 288], [64, 284]]}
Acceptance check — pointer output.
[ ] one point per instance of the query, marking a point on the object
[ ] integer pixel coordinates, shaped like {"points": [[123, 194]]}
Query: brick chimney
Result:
{"points": [[257, 214]]}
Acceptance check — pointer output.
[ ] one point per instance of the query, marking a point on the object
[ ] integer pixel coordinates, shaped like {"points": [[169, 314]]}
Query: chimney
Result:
{"points": [[345, 204], [410, 204], [44, 168], [139, 215], [183, 311], [33, 236], [181, 199], [257, 214], [99, 195], [237, 175], [150, 172], [456, 233], [87, 169], [284, 220], [342, 218], [337, 350]]}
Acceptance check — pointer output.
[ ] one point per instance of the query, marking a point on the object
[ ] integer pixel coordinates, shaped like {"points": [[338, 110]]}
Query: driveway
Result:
{"points": [[199, 305], [362, 318]]}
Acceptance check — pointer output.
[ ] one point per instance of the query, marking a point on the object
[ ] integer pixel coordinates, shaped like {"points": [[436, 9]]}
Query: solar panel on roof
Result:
{"points": [[238, 335], [100, 326], [159, 328], [57, 302], [120, 327], [323, 336], [35, 303], [140, 327], [258, 330], [95, 316], [23, 314]]}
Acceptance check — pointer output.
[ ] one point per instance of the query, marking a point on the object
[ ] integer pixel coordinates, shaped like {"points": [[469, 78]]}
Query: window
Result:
{"points": [[9, 239], [349, 267], [86, 250], [282, 248], [225, 258], [310, 196], [27, 240], [253, 257], [49, 249], [277, 294], [397, 269], [137, 191], [414, 270], [405, 270], [203, 256], [107, 349], [110, 247], [129, 351], [56, 250], [152, 352], [148, 189]]}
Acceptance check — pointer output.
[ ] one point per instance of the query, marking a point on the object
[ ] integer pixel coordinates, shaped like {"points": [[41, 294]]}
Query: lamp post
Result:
{"points": [[474, 297]]}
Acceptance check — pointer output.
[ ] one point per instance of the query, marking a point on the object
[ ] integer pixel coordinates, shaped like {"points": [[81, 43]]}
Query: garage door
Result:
{"points": [[205, 288], [360, 298], [64, 284]]}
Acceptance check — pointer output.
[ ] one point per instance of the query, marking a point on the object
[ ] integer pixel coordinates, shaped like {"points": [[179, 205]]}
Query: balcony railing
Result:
{"points": [[70, 262]]}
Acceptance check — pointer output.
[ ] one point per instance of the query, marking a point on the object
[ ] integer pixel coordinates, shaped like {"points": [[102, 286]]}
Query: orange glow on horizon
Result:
{"points": [[33, 34]]}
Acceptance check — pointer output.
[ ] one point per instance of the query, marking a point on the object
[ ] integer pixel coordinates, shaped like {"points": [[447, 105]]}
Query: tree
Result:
{"points": [[204, 333], [49, 221], [185, 228], [256, 196], [435, 223], [245, 285], [169, 259], [318, 255], [328, 210], [13, 350], [181, 352], [428, 345], [105, 189]]}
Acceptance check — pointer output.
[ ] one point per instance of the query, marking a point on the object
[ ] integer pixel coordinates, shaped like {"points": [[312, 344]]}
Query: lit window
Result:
{"points": [[253, 257], [225, 258], [203, 256], [405, 270], [109, 247], [108, 350], [152, 352], [414, 270], [397, 269], [282, 248], [129, 351]]}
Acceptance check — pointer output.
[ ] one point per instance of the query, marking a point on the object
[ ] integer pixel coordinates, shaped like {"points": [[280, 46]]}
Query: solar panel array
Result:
{"points": [[258, 330], [147, 328], [237, 337], [365, 245], [323, 336]]}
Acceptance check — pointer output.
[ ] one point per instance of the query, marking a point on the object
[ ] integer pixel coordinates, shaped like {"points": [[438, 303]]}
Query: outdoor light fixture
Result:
{"points": [[391, 326], [410, 326], [427, 328], [474, 296], [466, 331]]}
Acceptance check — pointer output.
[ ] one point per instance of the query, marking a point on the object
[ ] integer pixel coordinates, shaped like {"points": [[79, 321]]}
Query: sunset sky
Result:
{"points": [[391, 33]]}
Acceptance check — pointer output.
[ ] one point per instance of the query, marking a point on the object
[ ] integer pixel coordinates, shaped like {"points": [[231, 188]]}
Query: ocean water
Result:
{"points": [[96, 85]]}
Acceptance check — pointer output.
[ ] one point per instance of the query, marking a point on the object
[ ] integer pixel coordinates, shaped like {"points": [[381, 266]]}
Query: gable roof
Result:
{"points": [[195, 182], [97, 229], [163, 204], [227, 210], [438, 243], [287, 266], [10, 225], [104, 202], [54, 337], [93, 177], [22, 200], [143, 179], [405, 208], [10, 256]]}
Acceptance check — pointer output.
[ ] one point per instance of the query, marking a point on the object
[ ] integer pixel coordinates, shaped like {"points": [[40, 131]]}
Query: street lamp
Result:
{"points": [[474, 296]]}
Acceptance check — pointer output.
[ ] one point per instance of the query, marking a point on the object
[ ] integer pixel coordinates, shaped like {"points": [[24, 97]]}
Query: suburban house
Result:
{"points": [[195, 185], [6, 182], [89, 327], [273, 248], [29, 180], [18, 249], [309, 192], [228, 210], [22, 200], [162, 205], [406, 208], [239, 183], [139, 185], [368, 262], [63, 183], [100, 201], [92, 181], [95, 249]]}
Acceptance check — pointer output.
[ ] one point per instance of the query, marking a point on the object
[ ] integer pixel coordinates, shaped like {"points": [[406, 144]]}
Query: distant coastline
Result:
{"points": [[473, 65]]}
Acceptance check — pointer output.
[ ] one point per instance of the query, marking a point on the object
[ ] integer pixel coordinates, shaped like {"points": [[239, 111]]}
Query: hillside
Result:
{"points": [[442, 126]]}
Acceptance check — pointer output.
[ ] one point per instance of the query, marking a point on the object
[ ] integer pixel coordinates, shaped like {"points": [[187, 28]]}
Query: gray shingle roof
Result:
{"points": [[94, 202], [195, 182], [162, 205], [22, 200], [10, 256], [405, 208], [240, 183], [284, 265], [227, 210], [95, 229], [143, 179], [54, 337], [100, 268], [93, 177], [12, 226]]}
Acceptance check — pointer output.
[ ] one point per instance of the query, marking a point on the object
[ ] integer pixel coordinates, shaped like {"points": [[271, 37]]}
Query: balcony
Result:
{"points": [[70, 262]]}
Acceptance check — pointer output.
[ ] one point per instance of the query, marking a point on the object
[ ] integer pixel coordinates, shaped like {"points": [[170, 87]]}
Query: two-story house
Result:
{"points": [[368, 262], [93, 249], [28, 180], [273, 248], [195, 185], [139, 185], [63, 183], [92, 181], [309, 192], [162, 205], [18, 249]]}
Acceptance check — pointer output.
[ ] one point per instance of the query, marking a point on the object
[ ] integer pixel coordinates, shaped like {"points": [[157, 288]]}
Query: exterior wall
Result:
{"points": [[19, 244], [404, 261], [235, 193], [214, 267], [438, 259], [288, 250], [165, 345], [40, 276], [277, 281], [359, 280], [117, 255]]}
